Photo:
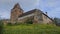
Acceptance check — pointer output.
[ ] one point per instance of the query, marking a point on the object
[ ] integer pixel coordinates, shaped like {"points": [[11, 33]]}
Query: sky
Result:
{"points": [[52, 7]]}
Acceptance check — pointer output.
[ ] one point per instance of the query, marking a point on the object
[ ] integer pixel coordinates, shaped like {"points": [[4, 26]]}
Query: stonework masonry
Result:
{"points": [[15, 12], [36, 15]]}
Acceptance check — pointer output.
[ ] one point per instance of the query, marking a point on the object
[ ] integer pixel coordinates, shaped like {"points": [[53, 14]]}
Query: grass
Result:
{"points": [[32, 29]]}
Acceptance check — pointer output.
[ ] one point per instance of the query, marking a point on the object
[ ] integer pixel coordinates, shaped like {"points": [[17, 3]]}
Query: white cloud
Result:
{"points": [[7, 5], [51, 6], [4, 13]]}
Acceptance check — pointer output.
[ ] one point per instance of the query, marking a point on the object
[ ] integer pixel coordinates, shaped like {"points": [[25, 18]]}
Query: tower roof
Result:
{"points": [[17, 6]]}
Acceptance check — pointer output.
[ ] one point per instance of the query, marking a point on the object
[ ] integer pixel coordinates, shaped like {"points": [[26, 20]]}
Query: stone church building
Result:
{"points": [[36, 16]]}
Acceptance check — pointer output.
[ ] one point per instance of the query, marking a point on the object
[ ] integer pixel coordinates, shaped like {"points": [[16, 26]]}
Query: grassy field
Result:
{"points": [[31, 29]]}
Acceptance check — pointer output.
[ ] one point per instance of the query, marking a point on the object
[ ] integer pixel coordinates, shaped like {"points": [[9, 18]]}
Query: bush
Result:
{"points": [[1, 27], [29, 22], [9, 24]]}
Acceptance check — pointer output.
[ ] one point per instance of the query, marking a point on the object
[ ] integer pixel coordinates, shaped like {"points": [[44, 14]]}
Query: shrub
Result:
{"points": [[29, 22], [9, 24], [1, 27]]}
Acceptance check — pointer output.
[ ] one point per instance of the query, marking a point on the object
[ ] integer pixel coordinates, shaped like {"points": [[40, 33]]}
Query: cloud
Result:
{"points": [[7, 5], [4, 13], [54, 6], [26, 3], [50, 6], [49, 3]]}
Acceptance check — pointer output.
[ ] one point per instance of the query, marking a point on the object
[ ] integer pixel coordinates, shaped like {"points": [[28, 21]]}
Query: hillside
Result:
{"points": [[31, 29]]}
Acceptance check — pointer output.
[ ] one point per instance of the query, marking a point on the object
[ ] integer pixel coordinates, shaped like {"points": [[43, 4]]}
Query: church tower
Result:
{"points": [[15, 12]]}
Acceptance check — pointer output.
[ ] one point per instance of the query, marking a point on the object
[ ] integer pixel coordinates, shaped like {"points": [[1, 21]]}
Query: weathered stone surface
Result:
{"points": [[15, 12], [36, 15]]}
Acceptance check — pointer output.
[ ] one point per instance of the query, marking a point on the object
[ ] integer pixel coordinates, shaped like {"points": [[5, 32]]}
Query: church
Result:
{"points": [[35, 15]]}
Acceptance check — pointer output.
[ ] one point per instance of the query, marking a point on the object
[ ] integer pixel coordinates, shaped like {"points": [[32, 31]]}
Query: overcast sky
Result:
{"points": [[50, 6]]}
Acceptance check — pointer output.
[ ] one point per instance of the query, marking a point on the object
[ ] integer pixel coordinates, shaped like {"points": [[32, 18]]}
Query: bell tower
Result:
{"points": [[15, 12]]}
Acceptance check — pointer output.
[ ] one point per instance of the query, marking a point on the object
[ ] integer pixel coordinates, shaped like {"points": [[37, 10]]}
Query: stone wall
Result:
{"points": [[46, 20], [38, 17], [15, 13], [24, 18]]}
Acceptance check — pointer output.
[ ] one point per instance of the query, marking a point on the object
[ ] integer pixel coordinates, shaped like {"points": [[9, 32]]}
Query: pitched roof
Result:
{"points": [[27, 13], [15, 6], [47, 16], [32, 11]]}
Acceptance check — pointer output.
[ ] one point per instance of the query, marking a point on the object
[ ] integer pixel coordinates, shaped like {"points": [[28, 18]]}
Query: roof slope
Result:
{"points": [[32, 11], [27, 13]]}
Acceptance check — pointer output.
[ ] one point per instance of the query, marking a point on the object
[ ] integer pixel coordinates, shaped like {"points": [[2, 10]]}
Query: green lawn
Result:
{"points": [[31, 29]]}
